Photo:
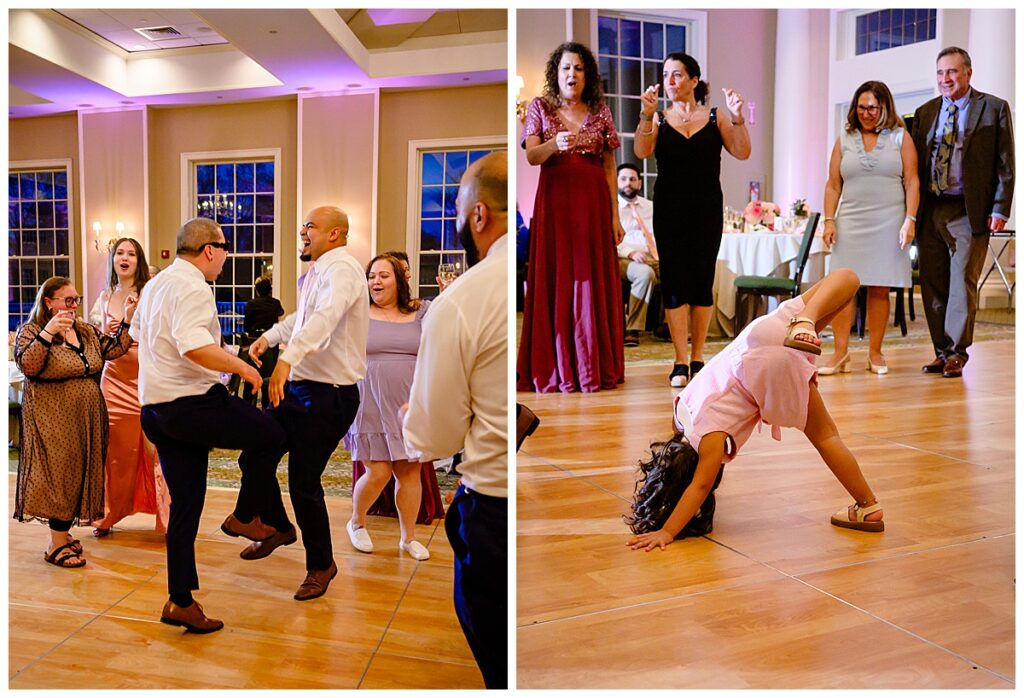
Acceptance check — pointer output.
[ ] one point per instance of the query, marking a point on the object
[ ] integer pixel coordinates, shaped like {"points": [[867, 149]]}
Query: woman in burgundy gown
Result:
{"points": [[573, 315]]}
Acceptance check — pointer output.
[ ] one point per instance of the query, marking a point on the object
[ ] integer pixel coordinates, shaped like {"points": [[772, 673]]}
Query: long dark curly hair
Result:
{"points": [[663, 479], [592, 95]]}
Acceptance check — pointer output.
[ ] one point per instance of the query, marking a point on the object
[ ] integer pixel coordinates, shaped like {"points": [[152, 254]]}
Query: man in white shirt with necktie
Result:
{"points": [[459, 399], [186, 410], [313, 392], [638, 256]]}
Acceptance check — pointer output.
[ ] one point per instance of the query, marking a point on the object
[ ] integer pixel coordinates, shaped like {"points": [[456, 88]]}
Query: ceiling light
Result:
{"points": [[127, 101], [354, 84], [304, 89], [84, 106]]}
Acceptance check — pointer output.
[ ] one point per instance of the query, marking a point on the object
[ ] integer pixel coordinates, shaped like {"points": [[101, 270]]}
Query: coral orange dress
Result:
{"points": [[133, 483]]}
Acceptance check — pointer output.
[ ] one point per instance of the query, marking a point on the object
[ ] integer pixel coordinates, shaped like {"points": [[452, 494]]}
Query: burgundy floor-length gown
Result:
{"points": [[573, 314]]}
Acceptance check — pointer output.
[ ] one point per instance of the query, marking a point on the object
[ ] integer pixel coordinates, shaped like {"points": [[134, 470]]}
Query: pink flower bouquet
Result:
{"points": [[762, 213]]}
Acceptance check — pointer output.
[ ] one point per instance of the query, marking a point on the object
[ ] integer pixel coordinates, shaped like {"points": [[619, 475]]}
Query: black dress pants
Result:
{"points": [[184, 431]]}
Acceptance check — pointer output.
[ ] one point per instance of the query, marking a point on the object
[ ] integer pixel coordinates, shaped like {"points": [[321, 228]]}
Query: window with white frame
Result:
{"points": [[631, 53], [240, 195], [38, 235], [879, 30], [440, 170]]}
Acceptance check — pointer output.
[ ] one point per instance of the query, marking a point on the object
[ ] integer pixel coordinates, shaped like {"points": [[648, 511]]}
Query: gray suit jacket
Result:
{"points": [[987, 156]]}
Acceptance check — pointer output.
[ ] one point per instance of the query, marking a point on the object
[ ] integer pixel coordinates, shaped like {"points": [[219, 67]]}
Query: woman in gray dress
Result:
{"points": [[873, 182], [375, 437]]}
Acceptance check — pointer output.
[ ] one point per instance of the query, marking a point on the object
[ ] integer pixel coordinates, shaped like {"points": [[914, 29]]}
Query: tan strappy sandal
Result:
{"points": [[797, 326], [842, 518]]}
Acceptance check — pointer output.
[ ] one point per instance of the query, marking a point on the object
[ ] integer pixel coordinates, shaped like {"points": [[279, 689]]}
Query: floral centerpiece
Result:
{"points": [[761, 214], [799, 209]]}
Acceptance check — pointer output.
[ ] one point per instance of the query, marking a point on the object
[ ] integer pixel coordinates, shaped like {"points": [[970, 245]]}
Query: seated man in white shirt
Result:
{"points": [[313, 391], [638, 256], [459, 399], [186, 410]]}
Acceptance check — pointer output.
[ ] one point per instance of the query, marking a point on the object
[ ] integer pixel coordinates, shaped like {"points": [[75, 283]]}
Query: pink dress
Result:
{"points": [[133, 483], [753, 380], [573, 315]]}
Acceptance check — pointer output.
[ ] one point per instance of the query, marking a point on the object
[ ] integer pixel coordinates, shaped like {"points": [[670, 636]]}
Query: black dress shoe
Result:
{"points": [[954, 368], [261, 548], [632, 338], [936, 366]]}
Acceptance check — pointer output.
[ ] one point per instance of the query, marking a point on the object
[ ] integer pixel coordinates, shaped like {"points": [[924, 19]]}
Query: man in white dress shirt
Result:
{"points": [[638, 257], [186, 410], [459, 399], [313, 390]]}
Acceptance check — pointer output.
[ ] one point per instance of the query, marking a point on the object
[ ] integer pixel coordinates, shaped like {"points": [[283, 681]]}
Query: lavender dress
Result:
{"points": [[391, 347]]}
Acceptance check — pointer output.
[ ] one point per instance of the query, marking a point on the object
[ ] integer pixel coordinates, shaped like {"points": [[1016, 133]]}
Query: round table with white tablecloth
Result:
{"points": [[760, 254]]}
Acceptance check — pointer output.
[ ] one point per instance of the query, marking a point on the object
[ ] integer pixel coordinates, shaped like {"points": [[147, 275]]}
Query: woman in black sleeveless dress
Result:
{"points": [[687, 141]]}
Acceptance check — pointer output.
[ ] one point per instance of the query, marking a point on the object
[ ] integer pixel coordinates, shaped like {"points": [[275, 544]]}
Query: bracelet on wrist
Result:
{"points": [[911, 218], [646, 117]]}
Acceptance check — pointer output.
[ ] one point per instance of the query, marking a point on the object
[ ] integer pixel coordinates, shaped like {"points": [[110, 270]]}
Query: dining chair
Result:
{"points": [[750, 289]]}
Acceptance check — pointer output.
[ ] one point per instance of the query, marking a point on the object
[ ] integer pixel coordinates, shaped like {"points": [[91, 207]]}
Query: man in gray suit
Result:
{"points": [[964, 141]]}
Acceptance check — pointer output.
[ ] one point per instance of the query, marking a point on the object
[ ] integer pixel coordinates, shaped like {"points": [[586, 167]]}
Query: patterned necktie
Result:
{"points": [[940, 172], [647, 233]]}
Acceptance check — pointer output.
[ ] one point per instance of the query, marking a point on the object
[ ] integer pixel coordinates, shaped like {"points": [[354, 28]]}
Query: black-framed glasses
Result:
{"points": [[226, 246], [70, 301], [872, 110]]}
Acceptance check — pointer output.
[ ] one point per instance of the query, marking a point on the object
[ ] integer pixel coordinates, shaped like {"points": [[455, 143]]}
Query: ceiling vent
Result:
{"points": [[159, 33]]}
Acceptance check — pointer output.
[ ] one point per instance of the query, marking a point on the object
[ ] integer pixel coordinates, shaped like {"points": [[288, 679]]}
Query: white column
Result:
{"points": [[792, 75], [991, 45]]}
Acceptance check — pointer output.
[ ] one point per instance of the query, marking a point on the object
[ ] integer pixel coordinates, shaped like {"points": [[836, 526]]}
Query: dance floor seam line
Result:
{"points": [[584, 478], [93, 619], [398, 604], [868, 613]]}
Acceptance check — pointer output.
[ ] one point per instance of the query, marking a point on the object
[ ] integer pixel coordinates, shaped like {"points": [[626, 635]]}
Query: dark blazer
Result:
{"points": [[987, 156]]}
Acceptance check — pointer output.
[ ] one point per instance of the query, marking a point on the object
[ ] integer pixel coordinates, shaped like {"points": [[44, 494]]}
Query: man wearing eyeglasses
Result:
{"points": [[313, 392], [186, 410], [964, 141]]}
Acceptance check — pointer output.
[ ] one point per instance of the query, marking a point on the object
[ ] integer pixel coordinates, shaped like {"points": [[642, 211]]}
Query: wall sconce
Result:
{"points": [[520, 104], [108, 244]]}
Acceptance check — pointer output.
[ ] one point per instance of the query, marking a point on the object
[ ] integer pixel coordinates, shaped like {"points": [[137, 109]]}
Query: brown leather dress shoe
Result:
{"points": [[191, 618], [954, 368], [254, 530], [316, 583], [262, 548], [935, 366], [526, 423]]}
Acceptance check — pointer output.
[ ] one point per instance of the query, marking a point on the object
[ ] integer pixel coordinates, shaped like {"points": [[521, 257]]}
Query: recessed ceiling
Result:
{"points": [[59, 60], [383, 29], [147, 30]]}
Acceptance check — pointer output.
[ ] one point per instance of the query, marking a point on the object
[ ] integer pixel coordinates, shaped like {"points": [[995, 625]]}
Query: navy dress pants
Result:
{"points": [[314, 416], [477, 528], [184, 431]]}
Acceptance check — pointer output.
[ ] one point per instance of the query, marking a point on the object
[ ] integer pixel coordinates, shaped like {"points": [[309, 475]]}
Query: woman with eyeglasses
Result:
{"points": [[133, 482], [63, 416], [873, 170]]}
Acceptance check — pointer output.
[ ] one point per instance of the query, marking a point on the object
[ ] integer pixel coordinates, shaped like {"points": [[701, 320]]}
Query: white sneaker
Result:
{"points": [[360, 538], [415, 550]]}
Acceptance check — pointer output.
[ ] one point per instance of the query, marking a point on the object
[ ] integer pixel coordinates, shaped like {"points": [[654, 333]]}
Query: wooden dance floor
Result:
{"points": [[775, 597], [387, 621]]}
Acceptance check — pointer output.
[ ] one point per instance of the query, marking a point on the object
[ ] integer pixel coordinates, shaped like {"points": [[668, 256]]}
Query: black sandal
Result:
{"points": [[680, 376], [695, 367], [54, 558]]}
